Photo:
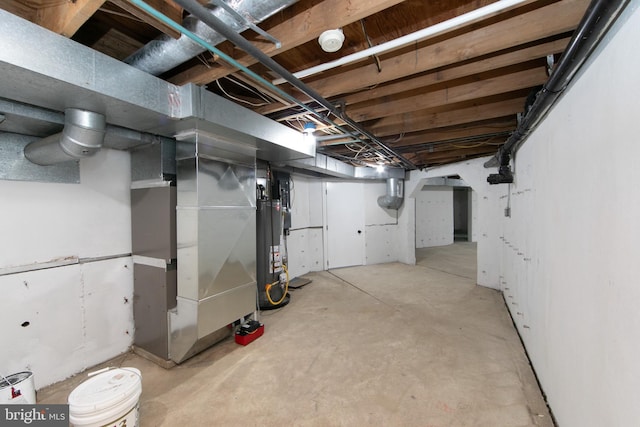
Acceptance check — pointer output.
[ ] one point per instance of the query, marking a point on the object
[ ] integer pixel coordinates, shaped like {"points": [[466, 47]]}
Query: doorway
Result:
{"points": [[462, 214], [345, 224]]}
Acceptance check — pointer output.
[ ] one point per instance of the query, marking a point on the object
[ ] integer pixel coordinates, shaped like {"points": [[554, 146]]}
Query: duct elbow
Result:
{"points": [[390, 202], [82, 136], [394, 197]]}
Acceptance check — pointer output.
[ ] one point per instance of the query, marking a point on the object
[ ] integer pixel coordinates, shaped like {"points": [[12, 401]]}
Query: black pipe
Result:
{"points": [[199, 11], [592, 27]]}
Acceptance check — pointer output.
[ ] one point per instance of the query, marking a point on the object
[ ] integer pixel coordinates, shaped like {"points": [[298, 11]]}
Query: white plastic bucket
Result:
{"points": [[107, 399], [17, 389]]}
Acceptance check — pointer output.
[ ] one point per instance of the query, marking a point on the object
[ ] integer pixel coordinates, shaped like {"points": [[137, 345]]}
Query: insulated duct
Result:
{"points": [[165, 53], [395, 194], [81, 137]]}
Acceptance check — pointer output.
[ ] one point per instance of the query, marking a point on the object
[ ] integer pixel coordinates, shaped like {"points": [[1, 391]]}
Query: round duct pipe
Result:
{"points": [[81, 137], [395, 194]]}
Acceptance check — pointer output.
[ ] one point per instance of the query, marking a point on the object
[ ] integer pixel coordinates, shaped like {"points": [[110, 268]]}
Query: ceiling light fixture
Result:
{"points": [[331, 40], [308, 129]]}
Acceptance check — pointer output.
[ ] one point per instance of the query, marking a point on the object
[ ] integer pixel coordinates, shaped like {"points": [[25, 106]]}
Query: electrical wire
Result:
{"points": [[257, 92], [487, 142], [239, 99], [366, 36], [203, 61], [391, 155], [474, 145]]}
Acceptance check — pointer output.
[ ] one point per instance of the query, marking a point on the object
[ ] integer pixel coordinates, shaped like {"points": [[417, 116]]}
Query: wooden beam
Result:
{"points": [[417, 121], [67, 17], [167, 7], [295, 31], [20, 8], [451, 95], [432, 136], [466, 70], [456, 153], [442, 76], [544, 22]]}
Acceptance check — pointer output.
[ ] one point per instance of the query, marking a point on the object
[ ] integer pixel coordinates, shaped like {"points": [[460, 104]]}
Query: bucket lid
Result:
{"points": [[105, 390], [14, 379]]}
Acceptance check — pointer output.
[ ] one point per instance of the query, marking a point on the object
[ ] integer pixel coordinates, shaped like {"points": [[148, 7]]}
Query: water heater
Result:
{"points": [[271, 268]]}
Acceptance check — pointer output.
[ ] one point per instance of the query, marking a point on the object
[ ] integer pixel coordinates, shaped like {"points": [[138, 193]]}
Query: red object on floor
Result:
{"points": [[246, 339]]}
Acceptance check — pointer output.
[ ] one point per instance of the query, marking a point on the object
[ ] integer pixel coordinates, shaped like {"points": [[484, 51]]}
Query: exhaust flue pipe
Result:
{"points": [[81, 137]]}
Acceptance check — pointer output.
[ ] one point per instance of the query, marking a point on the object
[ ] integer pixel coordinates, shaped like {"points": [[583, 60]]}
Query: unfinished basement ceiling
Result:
{"points": [[451, 97]]}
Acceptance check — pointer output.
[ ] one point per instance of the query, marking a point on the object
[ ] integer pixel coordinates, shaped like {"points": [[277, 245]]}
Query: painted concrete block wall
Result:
{"points": [[81, 314], [434, 217], [571, 247], [304, 243]]}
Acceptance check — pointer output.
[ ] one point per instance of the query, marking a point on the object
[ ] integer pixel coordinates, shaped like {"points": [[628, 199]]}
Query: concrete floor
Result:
{"points": [[382, 345]]}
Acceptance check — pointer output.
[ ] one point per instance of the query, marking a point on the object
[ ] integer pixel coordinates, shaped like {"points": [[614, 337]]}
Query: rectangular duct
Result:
{"points": [[216, 240], [43, 69]]}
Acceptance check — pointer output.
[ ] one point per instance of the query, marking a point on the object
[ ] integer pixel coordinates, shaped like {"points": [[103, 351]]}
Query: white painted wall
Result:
{"points": [[77, 314], [383, 231], [434, 216], [304, 243], [570, 254], [474, 216], [488, 208], [381, 226]]}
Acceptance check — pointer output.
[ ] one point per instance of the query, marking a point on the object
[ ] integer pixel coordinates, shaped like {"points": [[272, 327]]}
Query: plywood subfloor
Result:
{"points": [[383, 345]]}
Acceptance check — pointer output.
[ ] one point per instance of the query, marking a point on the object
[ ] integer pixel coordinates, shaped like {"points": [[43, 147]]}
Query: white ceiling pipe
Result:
{"points": [[432, 31]]}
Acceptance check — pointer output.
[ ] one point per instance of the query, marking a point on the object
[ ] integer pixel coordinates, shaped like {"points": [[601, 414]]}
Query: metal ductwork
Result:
{"points": [[165, 53], [395, 194], [81, 137]]}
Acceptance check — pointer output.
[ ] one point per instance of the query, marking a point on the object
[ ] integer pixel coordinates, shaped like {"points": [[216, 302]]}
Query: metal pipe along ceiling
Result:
{"points": [[420, 35], [165, 52], [597, 20], [199, 11], [81, 137]]}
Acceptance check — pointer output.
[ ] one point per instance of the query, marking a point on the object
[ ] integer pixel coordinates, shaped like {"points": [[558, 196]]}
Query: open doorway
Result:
{"points": [[445, 216], [462, 214]]}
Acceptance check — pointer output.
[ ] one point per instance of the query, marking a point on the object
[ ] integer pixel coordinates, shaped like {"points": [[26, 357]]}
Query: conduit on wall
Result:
{"points": [[597, 20], [81, 137]]}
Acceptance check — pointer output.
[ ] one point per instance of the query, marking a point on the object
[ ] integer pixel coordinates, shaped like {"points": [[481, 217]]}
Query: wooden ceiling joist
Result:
{"points": [[417, 121], [444, 75], [294, 32], [67, 17], [466, 70], [548, 21], [166, 7], [451, 95], [439, 135]]}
